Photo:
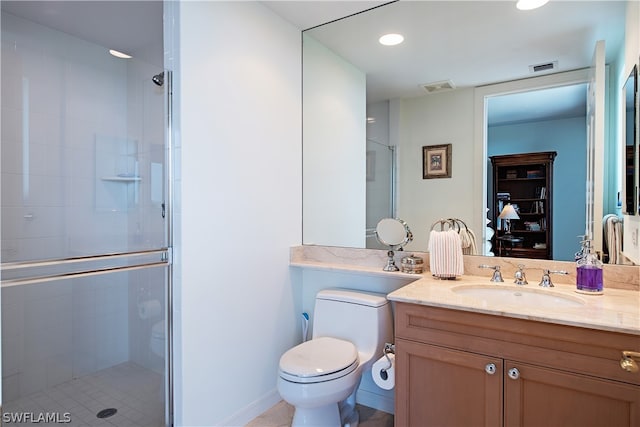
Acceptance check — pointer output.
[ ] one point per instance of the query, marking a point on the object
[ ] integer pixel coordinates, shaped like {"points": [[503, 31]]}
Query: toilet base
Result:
{"points": [[353, 420], [349, 415], [341, 414], [326, 416]]}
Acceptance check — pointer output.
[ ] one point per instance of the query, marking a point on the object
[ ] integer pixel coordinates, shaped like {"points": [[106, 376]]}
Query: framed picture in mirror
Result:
{"points": [[436, 161]]}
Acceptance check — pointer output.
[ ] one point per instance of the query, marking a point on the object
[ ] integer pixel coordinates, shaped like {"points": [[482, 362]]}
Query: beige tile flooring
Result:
{"points": [[280, 415]]}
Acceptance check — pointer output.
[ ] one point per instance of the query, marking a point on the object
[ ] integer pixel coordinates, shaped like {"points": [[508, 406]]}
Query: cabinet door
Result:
{"points": [[536, 396], [441, 387]]}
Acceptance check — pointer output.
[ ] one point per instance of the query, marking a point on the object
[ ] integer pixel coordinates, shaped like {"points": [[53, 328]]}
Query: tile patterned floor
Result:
{"points": [[137, 395], [280, 415], [136, 392]]}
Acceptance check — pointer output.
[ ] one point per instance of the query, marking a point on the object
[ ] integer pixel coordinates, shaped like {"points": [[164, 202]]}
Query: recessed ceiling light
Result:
{"points": [[119, 54], [391, 39], [530, 4]]}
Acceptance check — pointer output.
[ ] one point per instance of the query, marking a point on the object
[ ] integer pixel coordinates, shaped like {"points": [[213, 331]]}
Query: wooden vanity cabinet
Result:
{"points": [[456, 368], [439, 386], [549, 397]]}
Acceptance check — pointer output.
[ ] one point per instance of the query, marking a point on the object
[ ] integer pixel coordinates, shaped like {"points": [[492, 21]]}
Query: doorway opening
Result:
{"points": [[544, 120], [503, 132]]}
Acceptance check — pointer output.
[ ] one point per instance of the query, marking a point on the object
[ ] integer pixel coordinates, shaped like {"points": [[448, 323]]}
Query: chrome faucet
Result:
{"points": [[497, 276], [545, 282], [520, 278]]}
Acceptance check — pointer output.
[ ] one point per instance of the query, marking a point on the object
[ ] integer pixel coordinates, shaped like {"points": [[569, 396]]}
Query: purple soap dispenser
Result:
{"points": [[589, 271]]}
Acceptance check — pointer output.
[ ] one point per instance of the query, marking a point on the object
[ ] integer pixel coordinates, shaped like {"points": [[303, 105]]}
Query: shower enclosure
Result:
{"points": [[85, 225], [380, 171], [380, 188]]}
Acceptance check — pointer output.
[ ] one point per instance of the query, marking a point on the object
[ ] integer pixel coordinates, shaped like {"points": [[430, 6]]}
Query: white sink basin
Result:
{"points": [[512, 295]]}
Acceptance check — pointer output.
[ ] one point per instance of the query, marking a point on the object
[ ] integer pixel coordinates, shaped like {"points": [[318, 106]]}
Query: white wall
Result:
{"points": [[238, 208], [439, 118], [334, 137]]}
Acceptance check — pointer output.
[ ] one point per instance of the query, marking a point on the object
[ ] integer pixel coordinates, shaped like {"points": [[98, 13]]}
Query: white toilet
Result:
{"points": [[320, 377]]}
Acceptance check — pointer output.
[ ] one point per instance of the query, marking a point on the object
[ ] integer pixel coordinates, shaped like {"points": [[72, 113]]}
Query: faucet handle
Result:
{"points": [[520, 278], [497, 275], [545, 281]]}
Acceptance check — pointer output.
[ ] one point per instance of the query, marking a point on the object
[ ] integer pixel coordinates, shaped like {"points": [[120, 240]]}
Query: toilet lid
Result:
{"points": [[320, 359]]}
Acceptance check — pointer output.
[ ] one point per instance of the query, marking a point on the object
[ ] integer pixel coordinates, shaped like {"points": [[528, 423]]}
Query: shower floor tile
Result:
{"points": [[136, 392]]}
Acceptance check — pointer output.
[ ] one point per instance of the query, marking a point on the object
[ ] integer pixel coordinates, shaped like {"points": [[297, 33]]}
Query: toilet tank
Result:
{"points": [[364, 318]]}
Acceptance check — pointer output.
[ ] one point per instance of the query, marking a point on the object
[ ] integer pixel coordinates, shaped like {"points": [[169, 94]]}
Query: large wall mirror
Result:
{"points": [[630, 93], [369, 110]]}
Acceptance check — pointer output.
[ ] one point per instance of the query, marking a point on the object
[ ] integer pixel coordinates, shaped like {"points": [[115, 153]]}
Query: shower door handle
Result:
{"points": [[84, 266]]}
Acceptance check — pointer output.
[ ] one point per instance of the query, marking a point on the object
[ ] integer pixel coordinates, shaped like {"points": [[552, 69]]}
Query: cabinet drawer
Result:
{"points": [[574, 349]]}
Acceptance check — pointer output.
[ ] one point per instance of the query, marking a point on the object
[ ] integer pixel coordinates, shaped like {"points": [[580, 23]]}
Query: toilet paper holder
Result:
{"points": [[388, 348]]}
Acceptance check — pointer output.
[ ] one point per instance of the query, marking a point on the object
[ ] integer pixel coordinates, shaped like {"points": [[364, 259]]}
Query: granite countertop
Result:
{"points": [[616, 310]]}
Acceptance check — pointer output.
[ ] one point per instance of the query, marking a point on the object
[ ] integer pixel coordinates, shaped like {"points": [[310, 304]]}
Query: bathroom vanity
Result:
{"points": [[488, 365], [470, 352]]}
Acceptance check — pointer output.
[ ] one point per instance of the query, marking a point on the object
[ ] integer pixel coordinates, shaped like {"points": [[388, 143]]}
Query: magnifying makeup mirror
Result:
{"points": [[394, 233]]}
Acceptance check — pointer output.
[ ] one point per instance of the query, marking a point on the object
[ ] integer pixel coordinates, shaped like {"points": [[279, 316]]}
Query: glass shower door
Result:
{"points": [[84, 232], [380, 188], [78, 349]]}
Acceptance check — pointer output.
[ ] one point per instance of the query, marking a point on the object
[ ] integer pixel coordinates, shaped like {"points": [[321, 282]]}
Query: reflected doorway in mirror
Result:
{"points": [[436, 161]]}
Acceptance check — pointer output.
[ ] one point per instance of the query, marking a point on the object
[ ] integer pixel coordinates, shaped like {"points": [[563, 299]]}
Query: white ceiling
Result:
{"points": [[469, 42], [133, 27], [307, 14]]}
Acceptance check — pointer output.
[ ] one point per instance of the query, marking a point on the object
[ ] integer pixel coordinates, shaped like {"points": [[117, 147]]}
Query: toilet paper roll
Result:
{"points": [[384, 375], [149, 309]]}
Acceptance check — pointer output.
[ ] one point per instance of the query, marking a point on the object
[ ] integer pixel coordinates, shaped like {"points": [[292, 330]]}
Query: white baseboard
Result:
{"points": [[375, 401], [251, 411]]}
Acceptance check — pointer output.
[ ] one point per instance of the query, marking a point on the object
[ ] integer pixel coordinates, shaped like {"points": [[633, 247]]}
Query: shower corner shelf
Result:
{"points": [[116, 178]]}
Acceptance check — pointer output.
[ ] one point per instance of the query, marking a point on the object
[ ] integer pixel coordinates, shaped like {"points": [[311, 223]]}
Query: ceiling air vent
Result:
{"points": [[438, 86], [553, 65]]}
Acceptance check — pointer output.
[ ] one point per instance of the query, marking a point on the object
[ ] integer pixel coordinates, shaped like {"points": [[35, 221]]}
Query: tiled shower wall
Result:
{"points": [[61, 96]]}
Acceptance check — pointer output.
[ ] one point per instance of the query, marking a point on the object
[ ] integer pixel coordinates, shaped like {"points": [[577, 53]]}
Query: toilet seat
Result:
{"points": [[318, 360]]}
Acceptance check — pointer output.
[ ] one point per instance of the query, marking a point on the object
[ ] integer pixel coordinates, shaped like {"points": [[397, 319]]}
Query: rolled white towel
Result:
{"points": [[613, 237], [468, 239], [445, 254]]}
